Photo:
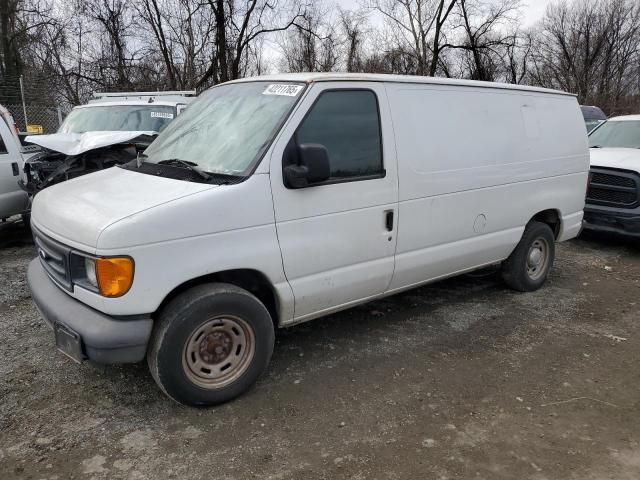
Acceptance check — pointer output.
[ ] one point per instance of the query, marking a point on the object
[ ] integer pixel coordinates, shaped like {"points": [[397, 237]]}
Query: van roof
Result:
{"points": [[119, 103], [378, 77]]}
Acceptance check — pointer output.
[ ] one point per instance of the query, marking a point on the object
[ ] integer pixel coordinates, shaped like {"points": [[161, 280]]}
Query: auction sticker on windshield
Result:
{"points": [[282, 89], [161, 115]]}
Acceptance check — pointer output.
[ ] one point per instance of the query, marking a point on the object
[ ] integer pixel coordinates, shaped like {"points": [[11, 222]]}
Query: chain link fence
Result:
{"points": [[48, 118]]}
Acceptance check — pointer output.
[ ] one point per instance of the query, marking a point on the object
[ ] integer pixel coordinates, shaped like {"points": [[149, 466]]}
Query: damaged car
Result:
{"points": [[110, 130]]}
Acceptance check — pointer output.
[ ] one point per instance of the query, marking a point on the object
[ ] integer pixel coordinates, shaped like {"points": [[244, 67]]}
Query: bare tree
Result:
{"points": [[113, 16], [311, 45], [517, 57], [352, 24], [485, 41], [20, 22], [590, 48], [238, 24], [418, 25]]}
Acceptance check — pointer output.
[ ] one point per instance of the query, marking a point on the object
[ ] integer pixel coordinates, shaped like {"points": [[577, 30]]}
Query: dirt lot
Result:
{"points": [[461, 379]]}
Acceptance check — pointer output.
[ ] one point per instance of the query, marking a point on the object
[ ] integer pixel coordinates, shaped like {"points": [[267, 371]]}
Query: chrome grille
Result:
{"points": [[613, 188], [54, 257]]}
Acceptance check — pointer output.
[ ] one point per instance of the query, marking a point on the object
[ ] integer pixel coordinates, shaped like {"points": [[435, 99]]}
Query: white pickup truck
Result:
{"points": [[13, 201]]}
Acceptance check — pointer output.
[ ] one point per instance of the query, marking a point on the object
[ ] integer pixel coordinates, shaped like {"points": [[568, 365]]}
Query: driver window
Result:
{"points": [[347, 123]]}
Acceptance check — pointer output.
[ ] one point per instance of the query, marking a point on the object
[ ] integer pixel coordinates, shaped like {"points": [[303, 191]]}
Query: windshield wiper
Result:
{"points": [[188, 165]]}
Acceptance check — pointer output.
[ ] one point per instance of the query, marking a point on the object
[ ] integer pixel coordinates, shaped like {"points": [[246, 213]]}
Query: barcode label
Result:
{"points": [[161, 115], [282, 89]]}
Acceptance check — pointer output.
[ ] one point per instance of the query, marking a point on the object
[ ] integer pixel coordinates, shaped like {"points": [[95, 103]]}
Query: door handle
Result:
{"points": [[16, 170], [388, 221]]}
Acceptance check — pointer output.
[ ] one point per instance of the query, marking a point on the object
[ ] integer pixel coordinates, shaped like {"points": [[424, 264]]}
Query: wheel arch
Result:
{"points": [[248, 279], [551, 217]]}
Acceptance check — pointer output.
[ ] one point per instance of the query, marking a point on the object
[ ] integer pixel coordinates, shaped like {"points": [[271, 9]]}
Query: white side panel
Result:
{"points": [[440, 235], [456, 139], [475, 168]]}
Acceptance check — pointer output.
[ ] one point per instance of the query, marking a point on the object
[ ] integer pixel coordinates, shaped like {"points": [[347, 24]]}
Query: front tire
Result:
{"points": [[210, 344], [528, 266]]}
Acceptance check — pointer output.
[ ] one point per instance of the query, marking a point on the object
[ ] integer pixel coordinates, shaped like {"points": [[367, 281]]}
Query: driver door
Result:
{"points": [[338, 237]]}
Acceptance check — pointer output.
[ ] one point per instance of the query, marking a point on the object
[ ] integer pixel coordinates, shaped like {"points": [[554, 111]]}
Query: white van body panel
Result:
{"points": [[13, 200], [454, 191], [467, 166]]}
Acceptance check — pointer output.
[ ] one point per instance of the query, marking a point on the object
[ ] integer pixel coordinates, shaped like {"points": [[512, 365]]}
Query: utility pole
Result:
{"points": [[24, 106]]}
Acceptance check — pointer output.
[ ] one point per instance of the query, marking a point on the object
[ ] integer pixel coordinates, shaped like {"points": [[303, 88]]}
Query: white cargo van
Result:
{"points": [[275, 200]]}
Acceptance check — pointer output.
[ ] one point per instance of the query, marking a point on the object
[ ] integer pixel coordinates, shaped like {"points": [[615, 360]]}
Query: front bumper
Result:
{"points": [[613, 220], [104, 339]]}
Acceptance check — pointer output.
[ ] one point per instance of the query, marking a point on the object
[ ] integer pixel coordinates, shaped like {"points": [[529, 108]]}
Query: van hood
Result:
{"points": [[623, 158], [78, 210], [77, 143]]}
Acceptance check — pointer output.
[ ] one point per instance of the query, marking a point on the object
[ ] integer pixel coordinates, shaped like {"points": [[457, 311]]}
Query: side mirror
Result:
{"points": [[313, 166]]}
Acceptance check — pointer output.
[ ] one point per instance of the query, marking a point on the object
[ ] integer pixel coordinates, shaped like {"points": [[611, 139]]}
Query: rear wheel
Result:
{"points": [[529, 264], [210, 344]]}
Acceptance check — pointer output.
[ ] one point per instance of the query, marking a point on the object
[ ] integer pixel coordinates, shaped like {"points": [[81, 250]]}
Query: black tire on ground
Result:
{"points": [[203, 331], [529, 264], [26, 219]]}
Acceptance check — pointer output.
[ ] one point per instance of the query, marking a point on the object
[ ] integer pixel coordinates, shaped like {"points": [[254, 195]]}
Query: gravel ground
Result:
{"points": [[460, 379]]}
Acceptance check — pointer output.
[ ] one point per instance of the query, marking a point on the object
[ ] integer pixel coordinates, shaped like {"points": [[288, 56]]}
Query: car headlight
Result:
{"points": [[108, 276], [90, 271]]}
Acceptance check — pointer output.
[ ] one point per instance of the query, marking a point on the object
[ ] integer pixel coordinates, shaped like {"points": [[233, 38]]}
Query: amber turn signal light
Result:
{"points": [[114, 275]]}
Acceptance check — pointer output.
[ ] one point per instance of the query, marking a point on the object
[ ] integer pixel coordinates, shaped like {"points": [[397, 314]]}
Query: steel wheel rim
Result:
{"points": [[218, 352], [537, 259]]}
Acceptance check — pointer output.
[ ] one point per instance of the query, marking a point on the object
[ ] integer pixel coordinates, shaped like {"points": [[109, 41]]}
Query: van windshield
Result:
{"points": [[118, 118], [616, 134], [228, 128]]}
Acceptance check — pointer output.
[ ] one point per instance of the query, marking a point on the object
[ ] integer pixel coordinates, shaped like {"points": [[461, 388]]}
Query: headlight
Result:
{"points": [[108, 276], [90, 271]]}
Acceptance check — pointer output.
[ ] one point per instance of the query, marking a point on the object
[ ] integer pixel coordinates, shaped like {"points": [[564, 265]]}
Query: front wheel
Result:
{"points": [[529, 264], [210, 344]]}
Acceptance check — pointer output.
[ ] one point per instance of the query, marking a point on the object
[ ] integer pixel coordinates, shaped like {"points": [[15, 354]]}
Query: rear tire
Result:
{"points": [[529, 264], [210, 344]]}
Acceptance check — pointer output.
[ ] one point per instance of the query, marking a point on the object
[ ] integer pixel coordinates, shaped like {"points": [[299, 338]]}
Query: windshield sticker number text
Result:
{"points": [[282, 89], [161, 115]]}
